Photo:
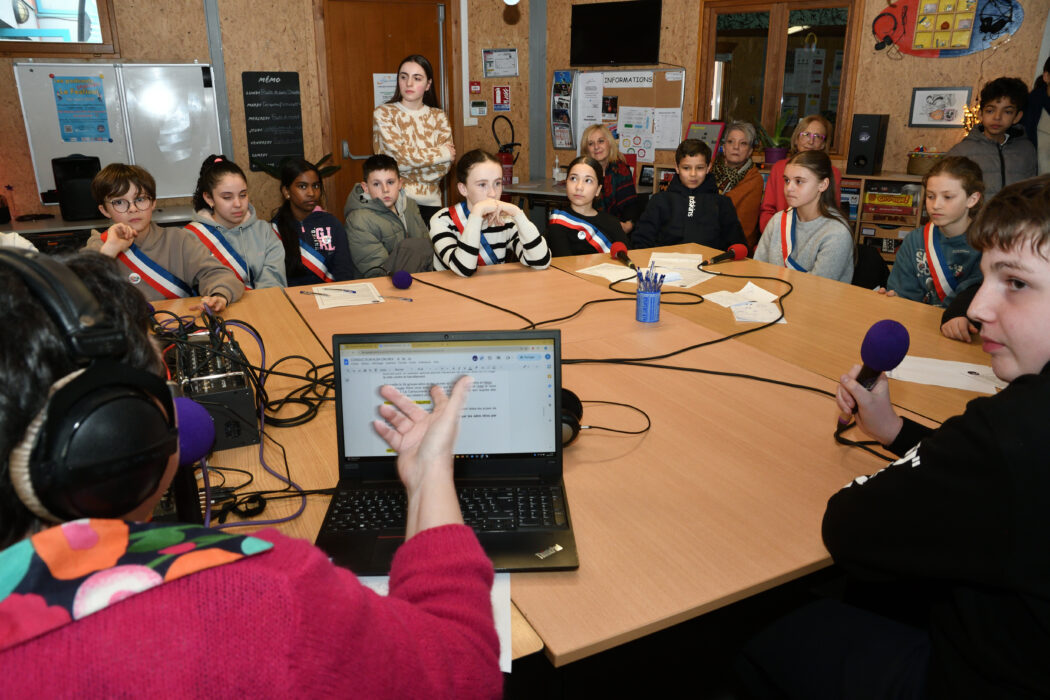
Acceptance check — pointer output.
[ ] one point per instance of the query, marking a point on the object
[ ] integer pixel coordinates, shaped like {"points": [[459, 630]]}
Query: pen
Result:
{"points": [[387, 296]]}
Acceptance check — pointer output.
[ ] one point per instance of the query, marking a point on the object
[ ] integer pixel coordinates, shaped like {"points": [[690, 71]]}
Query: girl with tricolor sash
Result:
{"points": [[935, 264], [162, 263], [315, 244], [225, 223], [583, 228], [810, 235], [480, 230]]}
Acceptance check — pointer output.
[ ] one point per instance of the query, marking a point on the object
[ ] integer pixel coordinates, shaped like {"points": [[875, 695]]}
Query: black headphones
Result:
{"points": [[100, 446], [885, 39], [571, 417]]}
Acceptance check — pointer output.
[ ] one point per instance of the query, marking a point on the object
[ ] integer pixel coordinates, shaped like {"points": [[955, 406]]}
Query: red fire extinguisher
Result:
{"points": [[505, 151]]}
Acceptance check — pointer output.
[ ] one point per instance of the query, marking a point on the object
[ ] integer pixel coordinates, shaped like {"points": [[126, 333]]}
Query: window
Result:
{"points": [[57, 28], [760, 59]]}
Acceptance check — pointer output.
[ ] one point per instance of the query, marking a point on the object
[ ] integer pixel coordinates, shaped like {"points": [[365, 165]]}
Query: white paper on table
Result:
{"points": [[676, 261], [500, 609], [956, 375], [750, 292], [685, 264], [756, 312], [366, 293], [618, 273]]}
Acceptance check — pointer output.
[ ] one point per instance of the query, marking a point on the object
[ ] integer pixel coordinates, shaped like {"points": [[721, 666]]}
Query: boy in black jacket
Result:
{"points": [[691, 210], [959, 521]]}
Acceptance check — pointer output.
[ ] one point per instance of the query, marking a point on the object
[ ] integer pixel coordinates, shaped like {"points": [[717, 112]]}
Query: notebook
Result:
{"points": [[508, 453]]}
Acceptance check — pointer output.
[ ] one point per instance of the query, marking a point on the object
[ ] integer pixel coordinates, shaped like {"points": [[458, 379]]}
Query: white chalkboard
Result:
{"points": [[160, 116]]}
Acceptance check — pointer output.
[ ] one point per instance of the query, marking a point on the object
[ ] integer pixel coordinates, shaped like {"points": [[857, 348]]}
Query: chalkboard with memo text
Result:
{"points": [[273, 116]]}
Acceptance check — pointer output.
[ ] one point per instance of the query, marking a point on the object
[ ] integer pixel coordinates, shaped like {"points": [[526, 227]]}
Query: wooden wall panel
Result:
{"points": [[887, 83], [279, 38], [679, 26], [493, 25]]}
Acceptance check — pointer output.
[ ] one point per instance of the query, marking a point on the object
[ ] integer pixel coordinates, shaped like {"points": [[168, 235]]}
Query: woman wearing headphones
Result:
{"points": [[95, 601], [738, 178]]}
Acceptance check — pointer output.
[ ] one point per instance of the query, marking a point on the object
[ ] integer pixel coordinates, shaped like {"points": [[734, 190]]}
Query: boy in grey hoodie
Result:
{"points": [[383, 226]]}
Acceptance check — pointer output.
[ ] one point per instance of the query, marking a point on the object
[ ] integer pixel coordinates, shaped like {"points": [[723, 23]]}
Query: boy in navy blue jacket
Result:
{"points": [[691, 210]]}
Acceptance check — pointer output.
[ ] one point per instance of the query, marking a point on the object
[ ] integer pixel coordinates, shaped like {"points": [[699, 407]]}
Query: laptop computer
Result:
{"points": [[508, 454]]}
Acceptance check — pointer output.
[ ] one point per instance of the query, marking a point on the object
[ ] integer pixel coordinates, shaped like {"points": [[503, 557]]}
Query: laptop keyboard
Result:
{"points": [[485, 509]]}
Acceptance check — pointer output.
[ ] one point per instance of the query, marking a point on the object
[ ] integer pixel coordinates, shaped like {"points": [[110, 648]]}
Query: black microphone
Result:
{"points": [[402, 279], [884, 347], [618, 251], [735, 252]]}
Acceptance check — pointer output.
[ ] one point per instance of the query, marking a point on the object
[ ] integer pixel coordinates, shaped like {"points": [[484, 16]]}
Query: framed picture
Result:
{"points": [[938, 107]]}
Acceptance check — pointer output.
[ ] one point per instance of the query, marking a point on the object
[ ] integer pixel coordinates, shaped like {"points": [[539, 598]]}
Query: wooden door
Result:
{"points": [[362, 37]]}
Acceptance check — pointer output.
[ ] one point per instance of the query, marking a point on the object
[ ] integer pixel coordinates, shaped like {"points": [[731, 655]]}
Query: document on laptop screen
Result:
{"points": [[510, 409]]}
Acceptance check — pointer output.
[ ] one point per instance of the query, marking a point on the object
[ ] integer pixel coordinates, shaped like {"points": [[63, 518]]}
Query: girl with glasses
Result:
{"points": [[811, 134]]}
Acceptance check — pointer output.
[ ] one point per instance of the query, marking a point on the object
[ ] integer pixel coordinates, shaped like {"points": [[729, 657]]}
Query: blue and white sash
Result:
{"points": [[787, 238], [586, 231], [943, 280], [311, 259], [145, 269], [214, 241], [459, 214]]}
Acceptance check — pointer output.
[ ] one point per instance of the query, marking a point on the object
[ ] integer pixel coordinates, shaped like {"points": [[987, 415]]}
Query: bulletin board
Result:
{"points": [[162, 117], [641, 107]]}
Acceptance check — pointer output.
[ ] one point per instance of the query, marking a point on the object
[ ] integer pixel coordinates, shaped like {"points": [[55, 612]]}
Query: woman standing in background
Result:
{"points": [[414, 131]]}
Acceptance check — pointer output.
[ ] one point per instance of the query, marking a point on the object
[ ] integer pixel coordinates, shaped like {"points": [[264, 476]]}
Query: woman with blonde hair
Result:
{"points": [[617, 195], [811, 134]]}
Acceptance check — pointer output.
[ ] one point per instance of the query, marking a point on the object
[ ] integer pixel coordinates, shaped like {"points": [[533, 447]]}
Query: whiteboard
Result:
{"points": [[162, 117]]}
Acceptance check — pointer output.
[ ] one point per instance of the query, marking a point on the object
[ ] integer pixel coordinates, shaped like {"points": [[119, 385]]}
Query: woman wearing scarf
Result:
{"points": [[738, 178]]}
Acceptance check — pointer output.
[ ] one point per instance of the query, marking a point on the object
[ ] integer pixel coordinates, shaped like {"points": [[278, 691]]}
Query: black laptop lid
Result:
{"points": [[511, 424]]}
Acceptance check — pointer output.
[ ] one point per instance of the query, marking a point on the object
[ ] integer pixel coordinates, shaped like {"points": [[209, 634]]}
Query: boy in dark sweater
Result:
{"points": [[998, 143], [691, 210], [954, 533]]}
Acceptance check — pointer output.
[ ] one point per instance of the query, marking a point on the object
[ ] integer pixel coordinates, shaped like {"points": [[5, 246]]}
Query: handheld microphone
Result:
{"points": [[196, 430], [402, 279], [884, 347], [618, 251], [735, 252]]}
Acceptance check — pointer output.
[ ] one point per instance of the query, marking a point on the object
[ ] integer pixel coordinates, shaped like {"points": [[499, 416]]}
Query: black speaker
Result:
{"points": [[73, 176], [866, 143]]}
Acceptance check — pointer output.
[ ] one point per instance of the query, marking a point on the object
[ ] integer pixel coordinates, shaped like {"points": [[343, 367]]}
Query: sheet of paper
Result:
{"points": [[956, 375], [589, 87], [635, 130], [756, 312], [667, 128], [613, 273], [500, 610], [330, 296], [682, 263], [750, 292]]}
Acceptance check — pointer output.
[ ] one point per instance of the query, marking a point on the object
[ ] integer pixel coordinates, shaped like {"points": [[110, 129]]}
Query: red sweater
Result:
{"points": [[284, 623], [773, 200]]}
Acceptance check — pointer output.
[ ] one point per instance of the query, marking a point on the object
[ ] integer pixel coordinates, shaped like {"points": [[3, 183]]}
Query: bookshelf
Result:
{"points": [[883, 209]]}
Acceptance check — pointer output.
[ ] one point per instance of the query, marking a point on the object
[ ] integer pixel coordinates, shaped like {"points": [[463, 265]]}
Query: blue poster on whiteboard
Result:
{"points": [[81, 105]]}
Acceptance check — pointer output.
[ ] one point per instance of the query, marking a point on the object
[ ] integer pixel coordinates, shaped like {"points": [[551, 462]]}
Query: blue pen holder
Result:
{"points": [[647, 307]]}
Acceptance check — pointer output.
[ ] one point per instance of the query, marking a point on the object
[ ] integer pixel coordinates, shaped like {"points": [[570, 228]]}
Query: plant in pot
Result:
{"points": [[775, 145]]}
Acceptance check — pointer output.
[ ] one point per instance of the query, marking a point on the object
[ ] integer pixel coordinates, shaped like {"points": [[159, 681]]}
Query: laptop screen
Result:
{"points": [[510, 424]]}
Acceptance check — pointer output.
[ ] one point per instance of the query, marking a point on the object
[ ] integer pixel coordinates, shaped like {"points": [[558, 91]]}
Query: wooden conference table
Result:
{"points": [[722, 499], [826, 323]]}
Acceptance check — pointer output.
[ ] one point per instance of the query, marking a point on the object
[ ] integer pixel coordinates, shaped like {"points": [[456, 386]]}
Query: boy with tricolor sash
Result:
{"points": [[162, 263], [935, 264]]}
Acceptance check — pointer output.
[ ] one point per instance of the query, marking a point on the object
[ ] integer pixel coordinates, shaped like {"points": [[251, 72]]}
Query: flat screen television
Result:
{"points": [[615, 33]]}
